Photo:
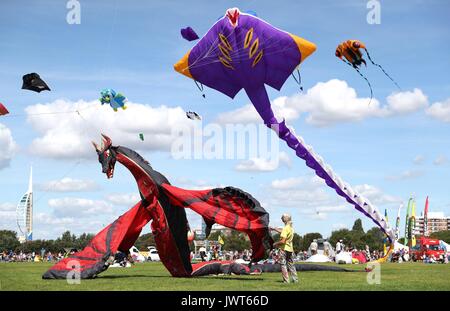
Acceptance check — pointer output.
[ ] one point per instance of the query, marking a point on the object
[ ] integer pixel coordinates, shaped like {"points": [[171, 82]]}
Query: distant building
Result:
{"points": [[24, 213], [200, 233], [437, 221], [223, 230]]}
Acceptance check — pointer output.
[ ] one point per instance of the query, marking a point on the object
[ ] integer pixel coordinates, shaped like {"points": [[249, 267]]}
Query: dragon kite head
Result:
{"points": [[106, 156]]}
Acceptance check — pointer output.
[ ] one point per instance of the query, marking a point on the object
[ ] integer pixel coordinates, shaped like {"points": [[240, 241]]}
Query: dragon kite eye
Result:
{"points": [[337, 53], [356, 45]]}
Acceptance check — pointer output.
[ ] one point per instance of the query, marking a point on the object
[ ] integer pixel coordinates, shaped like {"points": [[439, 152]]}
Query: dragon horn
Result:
{"points": [[95, 146], [106, 141]]}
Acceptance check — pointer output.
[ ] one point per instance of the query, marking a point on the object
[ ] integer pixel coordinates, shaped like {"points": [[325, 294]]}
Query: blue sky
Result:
{"points": [[393, 149]]}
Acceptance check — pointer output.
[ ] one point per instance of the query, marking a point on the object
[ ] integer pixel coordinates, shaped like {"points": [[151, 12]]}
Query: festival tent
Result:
{"points": [[318, 258], [344, 258], [360, 257]]}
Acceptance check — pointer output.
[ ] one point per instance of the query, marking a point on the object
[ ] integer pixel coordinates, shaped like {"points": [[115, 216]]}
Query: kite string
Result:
{"points": [[47, 190], [299, 79], [214, 47], [238, 54], [382, 69], [46, 113], [357, 70]]}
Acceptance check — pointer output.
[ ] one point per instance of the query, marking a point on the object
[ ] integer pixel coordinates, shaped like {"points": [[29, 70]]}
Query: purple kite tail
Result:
{"points": [[325, 172]]}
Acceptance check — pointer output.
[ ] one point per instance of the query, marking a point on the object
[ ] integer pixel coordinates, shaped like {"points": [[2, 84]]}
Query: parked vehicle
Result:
{"points": [[427, 247], [136, 255], [153, 254]]}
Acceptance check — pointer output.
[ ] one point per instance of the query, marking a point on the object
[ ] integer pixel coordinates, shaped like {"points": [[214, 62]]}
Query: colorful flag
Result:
{"points": [[413, 223], [385, 240], [407, 227], [425, 219], [397, 223], [220, 240]]}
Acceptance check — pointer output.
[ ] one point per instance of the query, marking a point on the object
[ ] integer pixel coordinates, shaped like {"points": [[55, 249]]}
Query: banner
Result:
{"points": [[407, 227], [425, 219]]}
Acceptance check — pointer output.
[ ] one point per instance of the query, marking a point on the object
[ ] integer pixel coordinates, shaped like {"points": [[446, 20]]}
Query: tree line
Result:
{"points": [[236, 241]]}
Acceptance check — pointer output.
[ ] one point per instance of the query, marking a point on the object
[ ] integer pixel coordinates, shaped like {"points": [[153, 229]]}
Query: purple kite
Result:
{"points": [[189, 34], [241, 51]]}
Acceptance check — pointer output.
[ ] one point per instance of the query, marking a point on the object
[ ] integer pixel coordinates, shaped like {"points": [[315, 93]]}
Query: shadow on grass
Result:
{"points": [[131, 276], [236, 278], [211, 277]]}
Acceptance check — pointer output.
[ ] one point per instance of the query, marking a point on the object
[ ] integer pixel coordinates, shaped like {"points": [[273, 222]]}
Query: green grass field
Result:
{"points": [[153, 276]]}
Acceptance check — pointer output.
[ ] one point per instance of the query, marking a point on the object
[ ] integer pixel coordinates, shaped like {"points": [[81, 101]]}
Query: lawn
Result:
{"points": [[153, 276]]}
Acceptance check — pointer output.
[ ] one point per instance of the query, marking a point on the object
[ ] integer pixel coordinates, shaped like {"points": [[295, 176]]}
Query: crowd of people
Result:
{"points": [[43, 255]]}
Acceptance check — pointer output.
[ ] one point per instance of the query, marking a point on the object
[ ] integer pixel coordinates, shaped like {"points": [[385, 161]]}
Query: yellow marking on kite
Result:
{"points": [[253, 48], [225, 52], [225, 42], [257, 58], [248, 38], [225, 62]]}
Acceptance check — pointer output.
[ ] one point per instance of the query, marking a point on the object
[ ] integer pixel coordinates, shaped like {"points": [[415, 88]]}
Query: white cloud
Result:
{"points": [[264, 165], [408, 174], [123, 199], [79, 207], [319, 216], [332, 102], [68, 184], [305, 193], [310, 197], [440, 111], [8, 146], [68, 135], [440, 160], [407, 102], [8, 216], [329, 103], [243, 115], [196, 184], [376, 196], [419, 159], [7, 207], [50, 220], [333, 209], [297, 182], [50, 226]]}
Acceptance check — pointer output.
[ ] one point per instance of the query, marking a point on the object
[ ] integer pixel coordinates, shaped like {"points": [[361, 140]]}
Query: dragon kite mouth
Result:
{"points": [[110, 173]]}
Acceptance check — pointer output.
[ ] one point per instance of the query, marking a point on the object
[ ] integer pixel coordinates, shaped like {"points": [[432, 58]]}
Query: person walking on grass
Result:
{"points": [[286, 250]]}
